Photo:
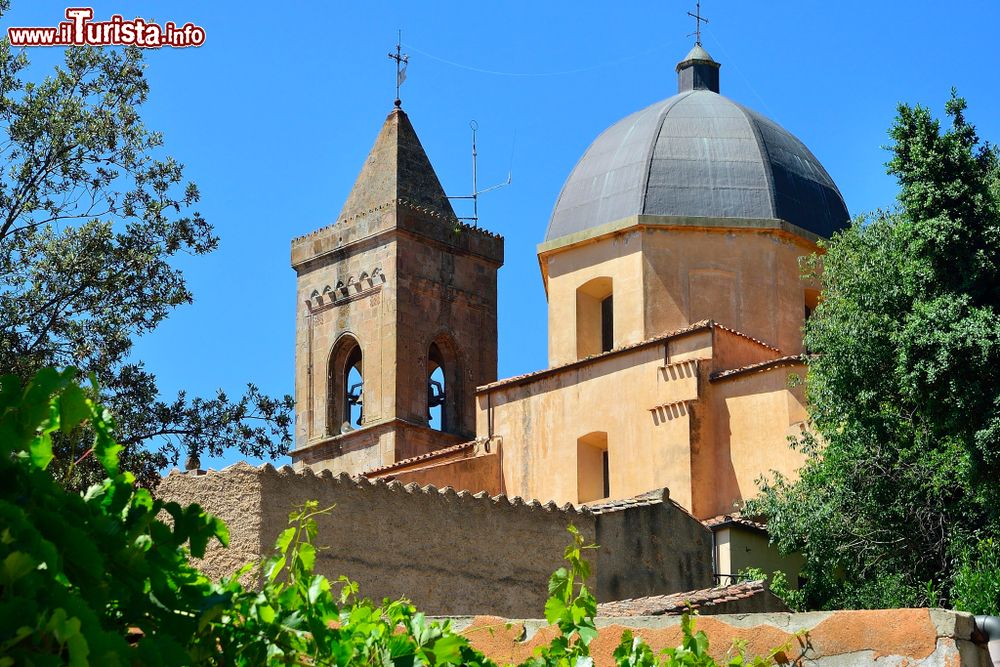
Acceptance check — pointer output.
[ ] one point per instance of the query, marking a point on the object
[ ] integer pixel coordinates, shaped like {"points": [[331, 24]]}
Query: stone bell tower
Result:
{"points": [[397, 293]]}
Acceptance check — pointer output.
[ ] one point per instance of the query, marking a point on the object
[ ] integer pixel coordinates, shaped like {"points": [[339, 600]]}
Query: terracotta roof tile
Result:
{"points": [[652, 498], [734, 518], [790, 360], [677, 603], [429, 456]]}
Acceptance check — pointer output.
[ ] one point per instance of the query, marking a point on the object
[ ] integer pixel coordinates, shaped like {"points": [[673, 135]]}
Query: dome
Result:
{"points": [[698, 154]]}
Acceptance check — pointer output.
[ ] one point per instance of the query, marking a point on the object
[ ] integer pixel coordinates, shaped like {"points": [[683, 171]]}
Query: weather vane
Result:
{"points": [[401, 61], [698, 20]]}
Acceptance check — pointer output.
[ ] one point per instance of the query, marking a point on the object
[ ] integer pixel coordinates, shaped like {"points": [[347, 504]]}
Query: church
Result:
{"points": [[675, 315]]}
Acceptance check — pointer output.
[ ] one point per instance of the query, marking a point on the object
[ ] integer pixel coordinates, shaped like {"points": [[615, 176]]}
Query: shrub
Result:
{"points": [[976, 582]]}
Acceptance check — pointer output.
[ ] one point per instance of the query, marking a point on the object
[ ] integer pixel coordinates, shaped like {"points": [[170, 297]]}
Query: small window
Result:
{"points": [[595, 315], [607, 324], [811, 303], [593, 467]]}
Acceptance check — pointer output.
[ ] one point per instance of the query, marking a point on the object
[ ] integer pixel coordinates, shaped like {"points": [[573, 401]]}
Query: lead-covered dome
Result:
{"points": [[698, 154]]}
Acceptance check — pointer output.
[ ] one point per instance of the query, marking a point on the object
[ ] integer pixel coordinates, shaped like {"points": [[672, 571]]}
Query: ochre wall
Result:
{"points": [[632, 396], [669, 278], [475, 474], [749, 281], [668, 423], [748, 420], [731, 350], [619, 258]]}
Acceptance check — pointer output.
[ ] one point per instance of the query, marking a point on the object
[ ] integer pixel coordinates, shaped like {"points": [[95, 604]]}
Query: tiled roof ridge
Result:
{"points": [[659, 338], [750, 338], [737, 518], [413, 206], [676, 603], [787, 360], [437, 453], [500, 500], [655, 497]]}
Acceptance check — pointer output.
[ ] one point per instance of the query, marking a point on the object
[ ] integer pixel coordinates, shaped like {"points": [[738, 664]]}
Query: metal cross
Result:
{"points": [[698, 20], [401, 61]]}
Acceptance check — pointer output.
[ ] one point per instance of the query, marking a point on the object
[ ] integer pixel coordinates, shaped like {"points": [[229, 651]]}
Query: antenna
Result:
{"points": [[475, 178]]}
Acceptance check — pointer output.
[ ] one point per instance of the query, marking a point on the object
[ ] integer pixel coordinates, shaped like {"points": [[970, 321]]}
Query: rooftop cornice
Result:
{"points": [[769, 225], [459, 225]]}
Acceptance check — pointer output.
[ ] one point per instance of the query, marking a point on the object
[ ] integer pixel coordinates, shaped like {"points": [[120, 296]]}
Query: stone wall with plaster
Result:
{"points": [[911, 637], [644, 530]]}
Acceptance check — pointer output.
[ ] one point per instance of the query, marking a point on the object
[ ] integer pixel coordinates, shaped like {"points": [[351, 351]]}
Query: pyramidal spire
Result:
{"points": [[397, 168]]}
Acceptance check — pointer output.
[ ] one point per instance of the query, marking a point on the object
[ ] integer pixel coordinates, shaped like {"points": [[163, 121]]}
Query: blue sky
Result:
{"points": [[274, 115]]}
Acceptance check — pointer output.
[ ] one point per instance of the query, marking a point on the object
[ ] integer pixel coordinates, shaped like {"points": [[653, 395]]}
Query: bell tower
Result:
{"points": [[396, 322]]}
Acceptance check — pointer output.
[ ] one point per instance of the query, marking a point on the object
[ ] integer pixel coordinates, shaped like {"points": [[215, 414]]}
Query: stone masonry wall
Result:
{"points": [[448, 298], [448, 552], [444, 551]]}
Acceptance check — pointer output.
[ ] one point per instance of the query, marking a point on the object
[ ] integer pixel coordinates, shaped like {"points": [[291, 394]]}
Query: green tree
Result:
{"points": [[904, 389], [92, 215]]}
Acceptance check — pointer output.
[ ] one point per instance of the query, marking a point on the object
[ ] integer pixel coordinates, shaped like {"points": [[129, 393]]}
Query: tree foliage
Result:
{"points": [[105, 577], [92, 217], [904, 389]]}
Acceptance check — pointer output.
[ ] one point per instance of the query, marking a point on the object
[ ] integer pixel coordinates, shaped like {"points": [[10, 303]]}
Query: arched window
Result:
{"points": [[345, 387], [435, 389], [443, 401], [593, 478], [595, 318]]}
